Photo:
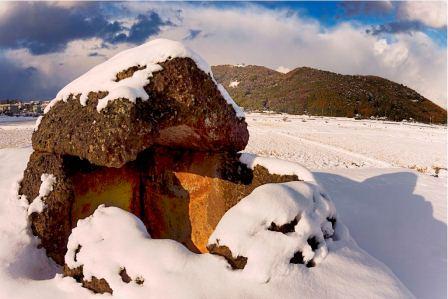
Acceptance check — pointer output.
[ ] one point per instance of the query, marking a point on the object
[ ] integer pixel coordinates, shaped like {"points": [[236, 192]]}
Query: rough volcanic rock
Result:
{"points": [[79, 189], [53, 225], [178, 194], [238, 262], [185, 110], [96, 285]]}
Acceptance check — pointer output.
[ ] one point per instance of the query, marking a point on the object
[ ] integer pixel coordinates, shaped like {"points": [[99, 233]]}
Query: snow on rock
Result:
{"points": [[249, 228], [37, 205], [278, 166], [113, 240], [38, 120], [167, 268], [146, 58], [238, 110], [234, 84]]}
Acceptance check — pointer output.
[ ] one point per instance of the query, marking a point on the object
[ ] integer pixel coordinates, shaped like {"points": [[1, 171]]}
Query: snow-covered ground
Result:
{"points": [[16, 131], [322, 143], [399, 217], [395, 213]]}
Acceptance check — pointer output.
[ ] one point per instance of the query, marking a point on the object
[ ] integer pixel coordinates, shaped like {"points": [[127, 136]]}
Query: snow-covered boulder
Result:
{"points": [[105, 135], [159, 93], [179, 195], [275, 226]]}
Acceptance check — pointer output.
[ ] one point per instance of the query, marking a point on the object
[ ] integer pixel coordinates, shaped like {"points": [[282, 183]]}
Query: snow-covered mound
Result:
{"points": [[145, 60], [276, 227], [112, 240]]}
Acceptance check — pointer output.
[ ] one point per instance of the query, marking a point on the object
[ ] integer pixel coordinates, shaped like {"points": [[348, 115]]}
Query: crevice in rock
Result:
{"points": [[78, 249]]}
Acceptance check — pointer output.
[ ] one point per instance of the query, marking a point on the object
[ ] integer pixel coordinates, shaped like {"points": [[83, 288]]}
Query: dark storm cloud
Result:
{"points": [[355, 8], [145, 26], [44, 27], [23, 82]]}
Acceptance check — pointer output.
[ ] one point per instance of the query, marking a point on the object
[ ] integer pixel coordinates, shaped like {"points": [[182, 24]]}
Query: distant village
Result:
{"points": [[19, 108]]}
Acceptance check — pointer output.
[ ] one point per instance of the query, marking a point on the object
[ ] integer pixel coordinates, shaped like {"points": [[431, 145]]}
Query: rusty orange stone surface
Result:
{"points": [[118, 187]]}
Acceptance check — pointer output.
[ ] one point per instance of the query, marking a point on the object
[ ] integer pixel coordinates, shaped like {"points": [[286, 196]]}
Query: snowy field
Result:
{"points": [[16, 131], [322, 143], [383, 177]]}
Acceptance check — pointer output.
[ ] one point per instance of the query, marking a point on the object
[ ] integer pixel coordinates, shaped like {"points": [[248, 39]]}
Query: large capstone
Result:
{"points": [[184, 109]]}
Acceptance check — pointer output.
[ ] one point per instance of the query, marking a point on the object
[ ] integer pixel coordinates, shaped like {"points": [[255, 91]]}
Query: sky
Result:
{"points": [[45, 45]]}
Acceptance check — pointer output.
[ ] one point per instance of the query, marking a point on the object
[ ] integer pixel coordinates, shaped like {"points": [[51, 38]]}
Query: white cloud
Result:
{"points": [[265, 37], [4, 7], [430, 13], [273, 38], [61, 68], [65, 3]]}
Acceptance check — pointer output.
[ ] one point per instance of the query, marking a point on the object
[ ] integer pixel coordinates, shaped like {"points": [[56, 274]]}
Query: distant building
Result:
{"points": [[12, 109], [18, 108], [37, 108]]}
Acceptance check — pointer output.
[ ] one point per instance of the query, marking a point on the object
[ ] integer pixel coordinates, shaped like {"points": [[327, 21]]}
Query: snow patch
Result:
{"points": [[103, 76], [234, 84], [282, 69], [38, 121], [37, 205], [245, 228]]}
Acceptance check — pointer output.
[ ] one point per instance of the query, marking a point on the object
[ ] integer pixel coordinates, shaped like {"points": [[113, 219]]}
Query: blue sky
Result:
{"points": [[44, 45]]}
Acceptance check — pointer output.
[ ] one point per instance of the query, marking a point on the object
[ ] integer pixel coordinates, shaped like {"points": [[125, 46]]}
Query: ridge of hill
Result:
{"points": [[305, 90]]}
